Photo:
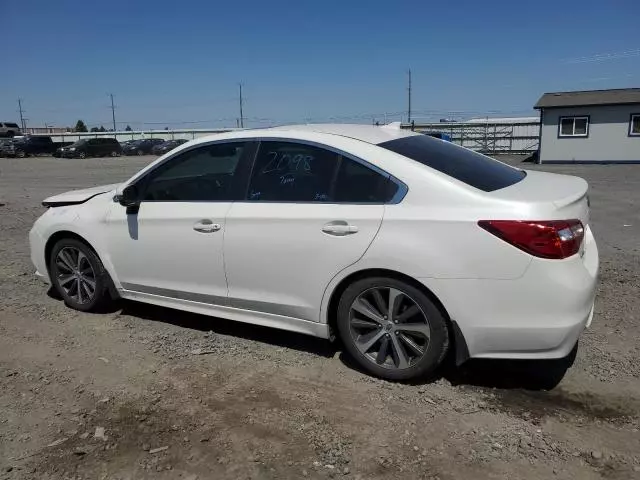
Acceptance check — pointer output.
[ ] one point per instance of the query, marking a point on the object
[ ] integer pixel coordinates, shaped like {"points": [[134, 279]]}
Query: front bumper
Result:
{"points": [[37, 245], [537, 316]]}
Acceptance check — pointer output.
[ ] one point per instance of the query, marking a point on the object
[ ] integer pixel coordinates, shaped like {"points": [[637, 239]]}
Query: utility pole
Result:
{"points": [[241, 114], [113, 112], [409, 92], [22, 125]]}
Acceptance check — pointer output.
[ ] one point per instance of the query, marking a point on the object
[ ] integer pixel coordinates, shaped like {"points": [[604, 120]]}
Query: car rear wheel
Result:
{"points": [[114, 154], [392, 329], [78, 275]]}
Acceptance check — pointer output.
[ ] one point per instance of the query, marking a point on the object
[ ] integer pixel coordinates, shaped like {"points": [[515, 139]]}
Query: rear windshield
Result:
{"points": [[460, 163]]}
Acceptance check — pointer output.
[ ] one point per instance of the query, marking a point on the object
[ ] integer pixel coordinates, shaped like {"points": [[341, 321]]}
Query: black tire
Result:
{"points": [[140, 153], [436, 348], [82, 155], [101, 294], [114, 154], [20, 154]]}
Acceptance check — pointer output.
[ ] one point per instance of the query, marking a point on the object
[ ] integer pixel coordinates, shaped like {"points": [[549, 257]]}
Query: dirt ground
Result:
{"points": [[152, 393]]}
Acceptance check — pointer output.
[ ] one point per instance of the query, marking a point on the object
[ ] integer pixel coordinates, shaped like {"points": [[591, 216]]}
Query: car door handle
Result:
{"points": [[339, 228], [206, 226]]}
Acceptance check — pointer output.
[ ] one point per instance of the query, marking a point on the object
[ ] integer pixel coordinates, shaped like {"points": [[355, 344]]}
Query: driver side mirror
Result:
{"points": [[130, 196]]}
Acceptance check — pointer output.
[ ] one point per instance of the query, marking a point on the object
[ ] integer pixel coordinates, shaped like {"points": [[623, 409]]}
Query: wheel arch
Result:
{"points": [[62, 234], [457, 342]]}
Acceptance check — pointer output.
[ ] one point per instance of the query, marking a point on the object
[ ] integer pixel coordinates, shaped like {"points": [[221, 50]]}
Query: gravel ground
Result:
{"points": [[151, 393]]}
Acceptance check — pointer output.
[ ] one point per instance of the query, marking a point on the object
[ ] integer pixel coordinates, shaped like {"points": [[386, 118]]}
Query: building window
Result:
{"points": [[573, 127], [634, 125]]}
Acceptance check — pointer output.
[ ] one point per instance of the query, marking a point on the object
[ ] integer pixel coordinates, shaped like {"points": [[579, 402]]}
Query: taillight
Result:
{"points": [[546, 239]]}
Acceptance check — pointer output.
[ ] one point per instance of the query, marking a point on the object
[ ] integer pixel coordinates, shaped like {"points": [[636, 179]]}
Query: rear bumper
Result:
{"points": [[538, 316]]}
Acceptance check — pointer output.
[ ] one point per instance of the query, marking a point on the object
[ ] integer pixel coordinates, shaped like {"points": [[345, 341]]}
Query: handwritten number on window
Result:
{"points": [[285, 163]]}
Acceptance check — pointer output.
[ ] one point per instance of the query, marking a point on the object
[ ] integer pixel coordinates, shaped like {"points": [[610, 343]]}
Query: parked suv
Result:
{"points": [[91, 147], [142, 147], [25, 146], [8, 129]]}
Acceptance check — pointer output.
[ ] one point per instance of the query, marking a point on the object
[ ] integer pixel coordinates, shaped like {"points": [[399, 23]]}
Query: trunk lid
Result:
{"points": [[560, 197]]}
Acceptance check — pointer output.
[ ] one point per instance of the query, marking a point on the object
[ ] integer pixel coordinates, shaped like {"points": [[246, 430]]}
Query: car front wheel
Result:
{"points": [[78, 275], [392, 329]]}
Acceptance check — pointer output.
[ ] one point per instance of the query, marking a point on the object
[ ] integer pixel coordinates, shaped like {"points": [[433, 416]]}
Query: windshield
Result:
{"points": [[472, 168], [78, 143]]}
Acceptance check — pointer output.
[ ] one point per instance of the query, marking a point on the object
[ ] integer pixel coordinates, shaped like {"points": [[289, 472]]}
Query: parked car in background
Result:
{"points": [[404, 246], [90, 147], [142, 147], [28, 145], [8, 129], [167, 146], [3, 142]]}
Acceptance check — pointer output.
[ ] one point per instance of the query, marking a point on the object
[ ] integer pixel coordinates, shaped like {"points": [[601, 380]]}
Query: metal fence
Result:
{"points": [[505, 136], [489, 136], [187, 134]]}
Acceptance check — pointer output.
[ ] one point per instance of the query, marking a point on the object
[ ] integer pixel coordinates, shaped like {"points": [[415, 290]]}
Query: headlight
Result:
{"points": [[72, 149]]}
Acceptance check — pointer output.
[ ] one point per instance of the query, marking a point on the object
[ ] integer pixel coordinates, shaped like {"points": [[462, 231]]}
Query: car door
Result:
{"points": [[105, 147], [298, 226], [172, 246], [93, 147]]}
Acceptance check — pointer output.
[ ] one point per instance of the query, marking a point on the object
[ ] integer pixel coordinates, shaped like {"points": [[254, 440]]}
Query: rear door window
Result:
{"points": [[357, 183], [477, 170], [292, 172]]}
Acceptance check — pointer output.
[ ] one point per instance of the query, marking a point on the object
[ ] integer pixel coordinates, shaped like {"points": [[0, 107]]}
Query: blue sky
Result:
{"points": [[169, 63]]}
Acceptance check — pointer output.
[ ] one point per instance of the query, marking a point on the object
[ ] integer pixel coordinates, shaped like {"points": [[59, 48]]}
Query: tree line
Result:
{"points": [[82, 127]]}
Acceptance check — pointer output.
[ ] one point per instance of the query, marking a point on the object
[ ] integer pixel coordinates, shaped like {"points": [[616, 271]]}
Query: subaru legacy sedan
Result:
{"points": [[406, 247]]}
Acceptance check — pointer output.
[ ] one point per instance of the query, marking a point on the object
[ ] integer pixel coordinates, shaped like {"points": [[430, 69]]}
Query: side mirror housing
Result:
{"points": [[130, 196]]}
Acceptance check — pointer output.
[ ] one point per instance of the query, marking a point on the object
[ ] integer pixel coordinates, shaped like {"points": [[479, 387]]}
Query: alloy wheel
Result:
{"points": [[75, 275], [389, 328]]}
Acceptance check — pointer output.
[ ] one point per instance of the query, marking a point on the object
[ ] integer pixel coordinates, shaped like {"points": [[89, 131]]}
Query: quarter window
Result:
{"points": [[634, 125], [203, 174], [574, 127]]}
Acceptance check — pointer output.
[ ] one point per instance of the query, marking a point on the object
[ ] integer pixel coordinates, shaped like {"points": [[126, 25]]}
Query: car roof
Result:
{"points": [[366, 133]]}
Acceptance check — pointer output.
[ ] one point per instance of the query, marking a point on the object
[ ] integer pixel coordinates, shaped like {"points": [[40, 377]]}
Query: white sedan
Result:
{"points": [[405, 246]]}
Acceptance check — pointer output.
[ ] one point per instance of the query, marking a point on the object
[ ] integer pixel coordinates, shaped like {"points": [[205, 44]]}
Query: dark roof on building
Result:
{"points": [[621, 96]]}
